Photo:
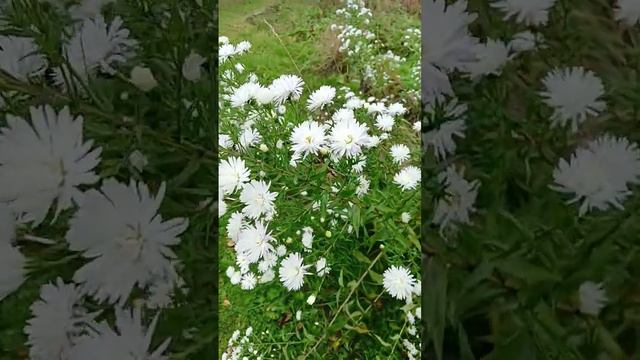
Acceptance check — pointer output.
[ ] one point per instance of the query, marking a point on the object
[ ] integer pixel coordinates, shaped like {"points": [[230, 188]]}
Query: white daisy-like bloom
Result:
{"points": [[574, 94], [526, 41], [490, 58], [230, 271], [58, 318], [526, 11], [347, 138], [162, 289], [286, 87], [267, 276], [242, 47], [223, 39], [373, 141], [232, 174], [248, 137], [263, 95], [322, 268], [243, 94], [20, 57], [321, 97], [376, 108], [385, 122], [447, 44], [248, 281], [12, 271], [97, 46], [408, 178], [592, 298], [254, 242], [627, 11], [599, 174], [311, 299], [363, 186], [192, 66], [441, 139], [398, 282], [224, 141], [131, 341], [457, 205], [222, 205], [405, 217], [396, 109], [235, 277], [307, 237], [292, 271], [343, 115], [235, 225], [281, 250], [307, 138], [225, 52], [44, 162], [417, 126], [400, 153], [358, 167], [257, 198], [128, 242]]}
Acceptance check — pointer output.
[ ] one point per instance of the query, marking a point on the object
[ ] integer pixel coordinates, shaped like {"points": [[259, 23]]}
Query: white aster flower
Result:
{"points": [[58, 319], [400, 153], [232, 174], [20, 57], [347, 138], [138, 160], [408, 178], [527, 12], [398, 282], [396, 109], [526, 41], [44, 162], [128, 242], [307, 138], [592, 298], [321, 97], [599, 173], [363, 186], [627, 11], [248, 281], [281, 250], [441, 139], [131, 341], [235, 225], [263, 95], [490, 58], [405, 217], [243, 94], [192, 66], [224, 141], [457, 205], [311, 299], [225, 52], [254, 242], [257, 199], [243, 47], [249, 137], [385, 122], [285, 87], [574, 94], [307, 237], [322, 268], [235, 278], [162, 289], [292, 271]]}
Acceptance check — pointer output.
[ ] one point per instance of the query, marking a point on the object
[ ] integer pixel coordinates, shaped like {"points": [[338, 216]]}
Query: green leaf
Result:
{"points": [[375, 277], [527, 271], [435, 300], [360, 257]]}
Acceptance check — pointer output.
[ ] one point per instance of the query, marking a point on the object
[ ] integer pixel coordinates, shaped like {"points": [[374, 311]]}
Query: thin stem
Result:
{"points": [[344, 303], [395, 343], [283, 45]]}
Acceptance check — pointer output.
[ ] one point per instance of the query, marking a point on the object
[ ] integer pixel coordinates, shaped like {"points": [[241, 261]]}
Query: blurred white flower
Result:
{"points": [[406, 217], [441, 139], [138, 160], [257, 199], [321, 97], [248, 281], [457, 204], [398, 282], [131, 341], [286, 87], [235, 225], [232, 174], [12, 271], [363, 186], [490, 58], [20, 57], [267, 276], [347, 138], [192, 66], [248, 138], [254, 242], [396, 109], [628, 11], [223, 40], [224, 141], [307, 237], [243, 94], [599, 173], [527, 12], [592, 298], [225, 52], [408, 178], [526, 41], [163, 288], [311, 299], [307, 138], [222, 206], [44, 162], [142, 78], [243, 47], [292, 271], [322, 268], [128, 242], [385, 122], [574, 94], [58, 319], [400, 153]]}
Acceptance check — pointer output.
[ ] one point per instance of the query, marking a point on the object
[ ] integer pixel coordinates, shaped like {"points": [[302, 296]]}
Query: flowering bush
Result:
{"points": [[532, 167], [319, 199], [105, 175]]}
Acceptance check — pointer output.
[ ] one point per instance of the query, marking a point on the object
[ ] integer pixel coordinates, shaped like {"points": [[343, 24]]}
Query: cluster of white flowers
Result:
{"points": [[240, 348]]}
